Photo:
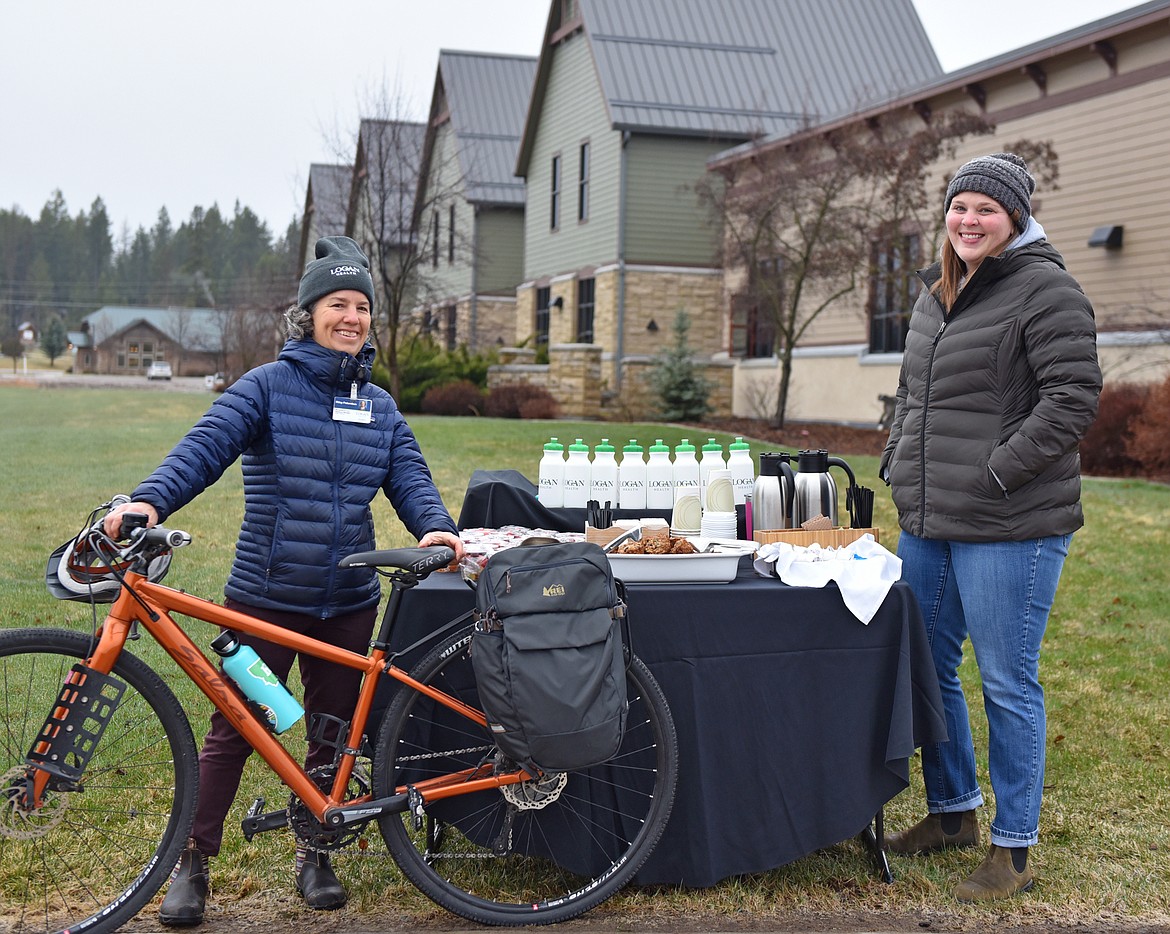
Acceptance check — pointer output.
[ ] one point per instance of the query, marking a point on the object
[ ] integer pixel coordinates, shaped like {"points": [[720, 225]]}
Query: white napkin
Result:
{"points": [[864, 570]]}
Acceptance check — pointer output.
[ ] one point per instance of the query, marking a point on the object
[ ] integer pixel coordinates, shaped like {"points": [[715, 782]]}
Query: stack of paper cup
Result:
{"points": [[687, 513], [719, 495], [718, 524]]}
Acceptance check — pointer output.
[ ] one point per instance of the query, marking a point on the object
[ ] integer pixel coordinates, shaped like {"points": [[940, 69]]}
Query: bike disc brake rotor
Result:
{"points": [[310, 831], [17, 820], [533, 795]]}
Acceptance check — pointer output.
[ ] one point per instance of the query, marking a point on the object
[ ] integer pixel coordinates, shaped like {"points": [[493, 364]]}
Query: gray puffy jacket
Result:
{"points": [[992, 402]]}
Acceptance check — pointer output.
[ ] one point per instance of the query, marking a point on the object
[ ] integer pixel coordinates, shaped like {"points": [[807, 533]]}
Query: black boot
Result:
{"points": [[187, 894], [316, 881]]}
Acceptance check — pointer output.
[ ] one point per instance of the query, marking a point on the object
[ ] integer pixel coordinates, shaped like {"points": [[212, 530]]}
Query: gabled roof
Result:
{"points": [[193, 328], [485, 97], [1090, 35], [389, 154], [739, 69], [326, 202]]}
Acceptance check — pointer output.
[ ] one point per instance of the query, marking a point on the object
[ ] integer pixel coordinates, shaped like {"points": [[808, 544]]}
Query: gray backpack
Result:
{"points": [[549, 656]]}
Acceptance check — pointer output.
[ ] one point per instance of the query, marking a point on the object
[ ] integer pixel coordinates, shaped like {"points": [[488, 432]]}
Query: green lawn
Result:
{"points": [[1105, 843]]}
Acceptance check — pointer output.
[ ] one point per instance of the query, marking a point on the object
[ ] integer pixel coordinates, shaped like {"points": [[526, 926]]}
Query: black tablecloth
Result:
{"points": [[795, 721]]}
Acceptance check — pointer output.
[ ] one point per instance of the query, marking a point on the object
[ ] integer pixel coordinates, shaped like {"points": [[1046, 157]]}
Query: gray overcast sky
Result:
{"points": [[182, 104]]}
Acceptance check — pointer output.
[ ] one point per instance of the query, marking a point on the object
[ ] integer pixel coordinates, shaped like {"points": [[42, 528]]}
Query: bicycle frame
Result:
{"points": [[150, 605]]}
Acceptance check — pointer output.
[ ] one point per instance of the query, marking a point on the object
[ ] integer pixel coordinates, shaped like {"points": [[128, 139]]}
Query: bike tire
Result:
{"points": [[567, 856], [91, 858]]}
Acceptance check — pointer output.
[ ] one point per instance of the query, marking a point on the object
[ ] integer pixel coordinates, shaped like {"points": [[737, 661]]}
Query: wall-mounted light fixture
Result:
{"points": [[558, 303], [1108, 236], [652, 327]]}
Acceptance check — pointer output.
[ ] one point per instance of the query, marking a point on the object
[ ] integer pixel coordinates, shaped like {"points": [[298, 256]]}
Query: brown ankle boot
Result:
{"points": [[927, 835], [187, 895], [996, 877]]}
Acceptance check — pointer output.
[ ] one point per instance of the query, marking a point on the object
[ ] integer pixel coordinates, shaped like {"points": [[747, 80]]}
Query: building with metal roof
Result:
{"points": [[125, 341], [326, 205]]}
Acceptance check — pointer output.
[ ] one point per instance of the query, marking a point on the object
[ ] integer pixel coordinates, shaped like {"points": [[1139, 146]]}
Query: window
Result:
{"points": [[753, 322], [585, 311], [893, 288], [449, 326], [583, 184], [543, 295], [554, 220], [435, 239], [451, 234]]}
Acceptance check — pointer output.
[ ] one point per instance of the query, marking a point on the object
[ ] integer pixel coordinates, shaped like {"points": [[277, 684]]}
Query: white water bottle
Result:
{"points": [[552, 475], [712, 459], [743, 471], [603, 475], [659, 477], [577, 470], [632, 477], [686, 469]]}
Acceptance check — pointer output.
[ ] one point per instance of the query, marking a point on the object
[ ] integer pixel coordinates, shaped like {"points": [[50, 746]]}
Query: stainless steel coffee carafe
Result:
{"points": [[815, 493], [772, 492]]}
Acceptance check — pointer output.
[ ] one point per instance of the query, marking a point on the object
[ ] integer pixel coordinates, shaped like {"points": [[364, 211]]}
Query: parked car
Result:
{"points": [[215, 382], [159, 370]]}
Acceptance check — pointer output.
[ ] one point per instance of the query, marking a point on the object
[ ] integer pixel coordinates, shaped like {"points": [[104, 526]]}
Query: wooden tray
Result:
{"points": [[826, 538]]}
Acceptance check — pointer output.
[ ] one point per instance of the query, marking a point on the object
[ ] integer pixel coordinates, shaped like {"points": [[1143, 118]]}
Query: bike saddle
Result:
{"points": [[417, 561]]}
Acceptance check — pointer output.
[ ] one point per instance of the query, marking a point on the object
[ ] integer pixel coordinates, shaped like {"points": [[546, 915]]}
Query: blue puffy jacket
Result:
{"points": [[308, 479]]}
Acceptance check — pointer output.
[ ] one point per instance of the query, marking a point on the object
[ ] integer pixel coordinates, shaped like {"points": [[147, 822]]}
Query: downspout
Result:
{"points": [[619, 349], [474, 344]]}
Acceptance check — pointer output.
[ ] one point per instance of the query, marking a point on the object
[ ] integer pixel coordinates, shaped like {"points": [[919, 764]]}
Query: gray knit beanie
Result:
{"points": [[1003, 176], [340, 264]]}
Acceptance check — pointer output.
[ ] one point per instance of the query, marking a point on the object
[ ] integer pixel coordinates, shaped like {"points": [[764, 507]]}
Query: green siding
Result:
{"points": [[574, 111], [665, 221], [444, 185], [501, 250]]}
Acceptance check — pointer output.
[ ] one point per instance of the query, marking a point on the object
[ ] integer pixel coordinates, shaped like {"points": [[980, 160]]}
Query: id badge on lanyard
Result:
{"points": [[353, 409]]}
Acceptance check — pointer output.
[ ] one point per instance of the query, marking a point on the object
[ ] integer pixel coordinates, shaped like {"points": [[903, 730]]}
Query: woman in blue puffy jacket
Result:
{"points": [[317, 441]]}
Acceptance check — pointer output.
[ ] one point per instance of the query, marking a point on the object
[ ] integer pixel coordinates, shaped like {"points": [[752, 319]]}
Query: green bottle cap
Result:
{"points": [[658, 447], [554, 445], [739, 445], [713, 445], [684, 445], [633, 447], [605, 447], [579, 445]]}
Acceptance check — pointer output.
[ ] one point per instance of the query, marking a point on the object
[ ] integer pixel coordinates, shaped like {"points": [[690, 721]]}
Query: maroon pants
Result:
{"points": [[329, 688]]}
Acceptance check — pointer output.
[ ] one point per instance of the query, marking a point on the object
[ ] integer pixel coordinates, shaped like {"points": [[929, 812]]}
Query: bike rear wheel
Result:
{"points": [[94, 854], [570, 846]]}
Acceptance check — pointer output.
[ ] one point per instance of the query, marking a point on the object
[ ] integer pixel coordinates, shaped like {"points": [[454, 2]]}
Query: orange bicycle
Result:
{"points": [[99, 775]]}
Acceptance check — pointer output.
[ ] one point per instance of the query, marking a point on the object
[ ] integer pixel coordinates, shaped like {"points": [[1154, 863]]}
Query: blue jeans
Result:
{"points": [[999, 594]]}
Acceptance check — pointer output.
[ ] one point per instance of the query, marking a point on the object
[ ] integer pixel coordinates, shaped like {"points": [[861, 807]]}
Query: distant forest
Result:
{"points": [[63, 266]]}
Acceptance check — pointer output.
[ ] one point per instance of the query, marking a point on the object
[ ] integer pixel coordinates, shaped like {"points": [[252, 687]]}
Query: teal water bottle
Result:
{"points": [[257, 681]]}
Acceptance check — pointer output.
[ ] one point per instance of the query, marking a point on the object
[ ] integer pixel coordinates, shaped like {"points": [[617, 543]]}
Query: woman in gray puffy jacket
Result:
{"points": [[318, 441], [999, 383]]}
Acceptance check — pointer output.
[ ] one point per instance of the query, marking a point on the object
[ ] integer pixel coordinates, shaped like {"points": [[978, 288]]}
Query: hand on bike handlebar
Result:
{"points": [[112, 524], [450, 539]]}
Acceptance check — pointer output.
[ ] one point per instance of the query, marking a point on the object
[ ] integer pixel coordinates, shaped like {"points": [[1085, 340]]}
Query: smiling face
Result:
{"points": [[978, 227], [341, 321]]}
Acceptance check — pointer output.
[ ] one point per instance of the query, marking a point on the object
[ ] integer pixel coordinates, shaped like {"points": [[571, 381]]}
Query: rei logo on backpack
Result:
{"points": [[548, 655]]}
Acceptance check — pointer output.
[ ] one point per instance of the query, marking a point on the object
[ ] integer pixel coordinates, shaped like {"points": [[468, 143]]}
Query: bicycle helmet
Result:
{"points": [[87, 568]]}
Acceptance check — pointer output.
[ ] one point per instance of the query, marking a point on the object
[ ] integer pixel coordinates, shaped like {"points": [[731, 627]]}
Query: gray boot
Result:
{"points": [[187, 895]]}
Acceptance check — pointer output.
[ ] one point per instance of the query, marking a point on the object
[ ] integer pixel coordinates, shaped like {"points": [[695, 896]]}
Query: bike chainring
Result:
{"points": [[311, 832], [17, 820]]}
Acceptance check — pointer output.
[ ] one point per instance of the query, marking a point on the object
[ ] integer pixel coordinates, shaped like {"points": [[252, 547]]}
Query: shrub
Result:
{"points": [[513, 400], [681, 389], [1104, 447], [423, 364], [462, 397], [1149, 439]]}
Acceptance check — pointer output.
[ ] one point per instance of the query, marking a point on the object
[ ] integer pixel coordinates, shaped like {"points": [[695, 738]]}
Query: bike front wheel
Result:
{"points": [[98, 848], [537, 852]]}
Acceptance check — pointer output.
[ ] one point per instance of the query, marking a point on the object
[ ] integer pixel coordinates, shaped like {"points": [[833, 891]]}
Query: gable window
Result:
{"points": [[451, 234], [543, 296], [554, 220], [893, 288], [583, 184], [585, 311]]}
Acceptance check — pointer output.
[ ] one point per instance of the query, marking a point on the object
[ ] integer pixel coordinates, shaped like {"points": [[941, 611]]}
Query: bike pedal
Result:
{"points": [[256, 822]]}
